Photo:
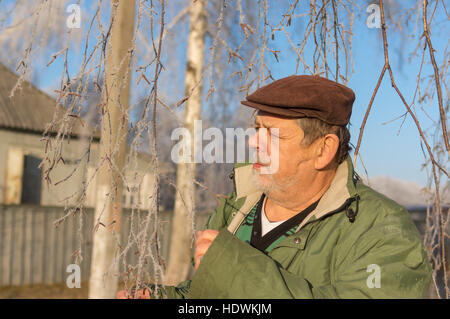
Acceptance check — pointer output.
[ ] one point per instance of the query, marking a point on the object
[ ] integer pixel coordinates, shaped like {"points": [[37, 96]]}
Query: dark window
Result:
{"points": [[31, 180]]}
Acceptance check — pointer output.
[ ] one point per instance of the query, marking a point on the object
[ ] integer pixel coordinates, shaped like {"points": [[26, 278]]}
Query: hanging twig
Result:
{"points": [[436, 76]]}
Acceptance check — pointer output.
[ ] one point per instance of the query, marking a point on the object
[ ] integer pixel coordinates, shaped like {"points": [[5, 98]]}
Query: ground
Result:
{"points": [[55, 291]]}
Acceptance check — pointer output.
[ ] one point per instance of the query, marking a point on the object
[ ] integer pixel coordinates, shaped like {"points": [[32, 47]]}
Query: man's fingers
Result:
{"points": [[197, 261], [204, 240], [198, 254], [208, 234], [200, 251], [201, 248]]}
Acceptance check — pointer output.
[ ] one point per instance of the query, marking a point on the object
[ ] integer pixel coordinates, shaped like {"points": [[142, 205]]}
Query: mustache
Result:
{"points": [[260, 158]]}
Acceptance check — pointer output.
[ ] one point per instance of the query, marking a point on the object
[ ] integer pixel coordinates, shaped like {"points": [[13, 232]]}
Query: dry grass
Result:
{"points": [[55, 291]]}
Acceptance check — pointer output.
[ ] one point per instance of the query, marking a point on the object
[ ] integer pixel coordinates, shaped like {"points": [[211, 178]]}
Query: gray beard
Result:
{"points": [[272, 186]]}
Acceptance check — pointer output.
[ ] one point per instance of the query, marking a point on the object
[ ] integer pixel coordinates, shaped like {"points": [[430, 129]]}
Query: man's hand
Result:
{"points": [[142, 294], [204, 240]]}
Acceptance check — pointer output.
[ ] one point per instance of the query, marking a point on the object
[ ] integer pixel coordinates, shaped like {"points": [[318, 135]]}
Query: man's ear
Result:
{"points": [[326, 150]]}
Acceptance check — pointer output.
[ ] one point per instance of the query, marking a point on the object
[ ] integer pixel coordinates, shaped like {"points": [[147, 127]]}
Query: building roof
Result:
{"points": [[30, 109]]}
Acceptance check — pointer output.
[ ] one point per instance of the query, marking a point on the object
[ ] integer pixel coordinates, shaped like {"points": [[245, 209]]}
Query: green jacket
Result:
{"points": [[354, 236]]}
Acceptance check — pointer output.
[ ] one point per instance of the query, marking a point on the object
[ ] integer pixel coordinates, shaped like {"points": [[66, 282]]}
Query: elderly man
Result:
{"points": [[311, 229]]}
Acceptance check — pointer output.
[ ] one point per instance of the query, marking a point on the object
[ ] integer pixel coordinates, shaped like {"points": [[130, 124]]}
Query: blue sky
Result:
{"points": [[384, 151]]}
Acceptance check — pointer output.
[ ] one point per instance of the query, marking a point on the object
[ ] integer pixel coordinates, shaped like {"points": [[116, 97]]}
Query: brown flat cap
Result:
{"points": [[299, 96]]}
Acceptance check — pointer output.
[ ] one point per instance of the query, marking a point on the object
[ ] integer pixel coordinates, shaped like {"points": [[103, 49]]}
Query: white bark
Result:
{"points": [[103, 280], [180, 247]]}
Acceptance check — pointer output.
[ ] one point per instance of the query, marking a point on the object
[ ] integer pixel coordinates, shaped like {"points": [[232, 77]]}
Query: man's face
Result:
{"points": [[295, 162]]}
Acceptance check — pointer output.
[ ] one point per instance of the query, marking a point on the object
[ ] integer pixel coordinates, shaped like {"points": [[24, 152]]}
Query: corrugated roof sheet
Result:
{"points": [[29, 109]]}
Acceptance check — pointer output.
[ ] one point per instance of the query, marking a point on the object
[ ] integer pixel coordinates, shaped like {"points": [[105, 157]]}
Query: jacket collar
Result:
{"points": [[341, 189]]}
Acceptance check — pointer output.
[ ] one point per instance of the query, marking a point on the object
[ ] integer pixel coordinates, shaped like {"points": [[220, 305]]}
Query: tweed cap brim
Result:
{"points": [[286, 112]]}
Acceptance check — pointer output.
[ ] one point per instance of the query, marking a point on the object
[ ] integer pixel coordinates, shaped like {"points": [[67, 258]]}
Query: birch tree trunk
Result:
{"points": [[181, 235], [103, 282]]}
